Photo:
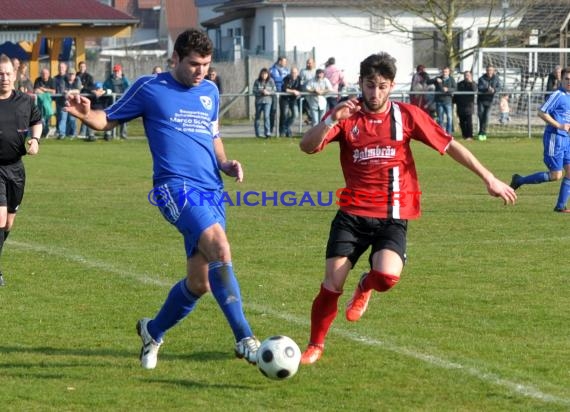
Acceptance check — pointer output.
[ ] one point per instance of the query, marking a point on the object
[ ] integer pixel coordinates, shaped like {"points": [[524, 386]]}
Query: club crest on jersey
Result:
{"points": [[206, 102], [354, 133]]}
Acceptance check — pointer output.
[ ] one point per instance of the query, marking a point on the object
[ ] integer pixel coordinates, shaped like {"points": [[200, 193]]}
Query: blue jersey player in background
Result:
{"points": [[180, 115], [556, 113]]}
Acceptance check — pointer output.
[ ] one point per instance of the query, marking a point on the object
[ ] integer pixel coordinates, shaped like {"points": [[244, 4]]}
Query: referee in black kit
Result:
{"points": [[20, 131]]}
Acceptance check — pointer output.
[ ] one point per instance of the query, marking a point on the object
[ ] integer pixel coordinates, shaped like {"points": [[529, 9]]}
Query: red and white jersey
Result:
{"points": [[377, 162]]}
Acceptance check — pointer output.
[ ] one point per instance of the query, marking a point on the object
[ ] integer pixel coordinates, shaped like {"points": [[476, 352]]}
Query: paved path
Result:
{"points": [[237, 130], [246, 130]]}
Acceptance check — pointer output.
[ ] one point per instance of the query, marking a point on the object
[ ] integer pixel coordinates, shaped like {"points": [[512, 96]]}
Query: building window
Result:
{"points": [[261, 47], [377, 23]]}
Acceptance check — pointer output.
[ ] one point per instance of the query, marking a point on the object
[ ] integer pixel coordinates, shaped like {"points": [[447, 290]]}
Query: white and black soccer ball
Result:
{"points": [[278, 357]]}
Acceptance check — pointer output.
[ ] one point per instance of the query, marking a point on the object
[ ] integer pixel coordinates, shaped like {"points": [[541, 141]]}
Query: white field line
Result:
{"points": [[529, 391]]}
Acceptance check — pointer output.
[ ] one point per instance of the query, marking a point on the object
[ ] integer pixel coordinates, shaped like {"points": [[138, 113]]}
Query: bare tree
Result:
{"points": [[439, 18]]}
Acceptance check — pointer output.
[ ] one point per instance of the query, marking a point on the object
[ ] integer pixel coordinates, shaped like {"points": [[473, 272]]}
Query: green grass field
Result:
{"points": [[479, 321]]}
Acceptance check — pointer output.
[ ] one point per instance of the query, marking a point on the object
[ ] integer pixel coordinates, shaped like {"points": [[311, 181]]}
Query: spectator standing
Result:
{"points": [[263, 90], [420, 84], [556, 145], [20, 131], [44, 88], [318, 88], [213, 76], [307, 74], [87, 88], [292, 86], [59, 81], [465, 104], [156, 70], [336, 77], [444, 87], [23, 83], [554, 80], [98, 102], [70, 84], [487, 85], [116, 83], [278, 71]]}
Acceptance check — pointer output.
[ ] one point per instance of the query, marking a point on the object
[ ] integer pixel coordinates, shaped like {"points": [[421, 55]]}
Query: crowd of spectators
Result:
{"points": [[52, 91]]}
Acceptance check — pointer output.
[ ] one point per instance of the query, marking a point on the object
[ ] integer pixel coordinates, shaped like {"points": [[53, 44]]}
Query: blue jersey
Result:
{"points": [[558, 107], [180, 123]]}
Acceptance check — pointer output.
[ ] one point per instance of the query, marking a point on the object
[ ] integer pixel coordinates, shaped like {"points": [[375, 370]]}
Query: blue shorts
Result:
{"points": [[189, 209], [556, 151]]}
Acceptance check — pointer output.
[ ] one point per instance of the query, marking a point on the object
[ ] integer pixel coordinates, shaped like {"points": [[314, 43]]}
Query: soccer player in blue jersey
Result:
{"points": [[556, 141], [180, 114]]}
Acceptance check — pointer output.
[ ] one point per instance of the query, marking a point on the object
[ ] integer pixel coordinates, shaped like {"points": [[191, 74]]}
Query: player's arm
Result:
{"points": [[495, 187], [313, 138], [552, 121], [232, 168], [80, 107]]}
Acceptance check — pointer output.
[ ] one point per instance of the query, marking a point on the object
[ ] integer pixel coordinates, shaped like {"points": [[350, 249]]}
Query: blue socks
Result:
{"points": [[535, 178], [178, 304], [564, 194], [225, 289]]}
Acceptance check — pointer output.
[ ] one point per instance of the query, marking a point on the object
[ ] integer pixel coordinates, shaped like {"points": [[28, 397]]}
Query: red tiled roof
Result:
{"points": [[58, 11], [180, 15]]}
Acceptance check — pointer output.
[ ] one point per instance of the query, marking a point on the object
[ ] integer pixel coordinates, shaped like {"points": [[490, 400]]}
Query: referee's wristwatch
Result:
{"points": [[35, 138]]}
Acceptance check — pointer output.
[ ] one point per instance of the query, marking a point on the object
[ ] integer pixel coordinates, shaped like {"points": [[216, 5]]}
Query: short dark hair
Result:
{"points": [[378, 64], [193, 40]]}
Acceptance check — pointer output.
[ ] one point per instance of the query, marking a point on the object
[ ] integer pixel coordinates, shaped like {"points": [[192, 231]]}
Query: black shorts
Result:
{"points": [[12, 182], [351, 235]]}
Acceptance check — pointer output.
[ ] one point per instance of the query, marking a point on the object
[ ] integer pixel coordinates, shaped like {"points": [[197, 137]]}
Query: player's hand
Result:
{"points": [[77, 105], [233, 168], [500, 189], [566, 127], [33, 147], [345, 109]]}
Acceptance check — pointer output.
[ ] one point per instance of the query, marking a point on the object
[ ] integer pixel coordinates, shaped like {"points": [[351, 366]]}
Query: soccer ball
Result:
{"points": [[278, 357]]}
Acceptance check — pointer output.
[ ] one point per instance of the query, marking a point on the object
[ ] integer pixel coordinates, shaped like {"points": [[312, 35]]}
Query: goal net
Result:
{"points": [[524, 74]]}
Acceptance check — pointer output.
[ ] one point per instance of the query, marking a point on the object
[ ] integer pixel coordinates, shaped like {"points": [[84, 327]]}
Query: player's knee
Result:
{"points": [[383, 282], [554, 176]]}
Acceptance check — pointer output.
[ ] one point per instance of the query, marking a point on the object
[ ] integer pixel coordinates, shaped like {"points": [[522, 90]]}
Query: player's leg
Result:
{"points": [[387, 261], [564, 192], [325, 306], [3, 219], [176, 208], [225, 288], [12, 183], [344, 247], [553, 159]]}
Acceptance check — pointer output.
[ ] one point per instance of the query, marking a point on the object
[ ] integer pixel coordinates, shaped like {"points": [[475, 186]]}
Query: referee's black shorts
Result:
{"points": [[12, 182], [351, 235]]}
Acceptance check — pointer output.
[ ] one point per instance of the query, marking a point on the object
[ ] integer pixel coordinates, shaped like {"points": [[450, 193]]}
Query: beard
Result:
{"points": [[374, 105]]}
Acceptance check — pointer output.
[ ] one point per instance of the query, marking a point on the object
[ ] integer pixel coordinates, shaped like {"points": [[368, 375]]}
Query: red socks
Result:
{"points": [[379, 281], [323, 313]]}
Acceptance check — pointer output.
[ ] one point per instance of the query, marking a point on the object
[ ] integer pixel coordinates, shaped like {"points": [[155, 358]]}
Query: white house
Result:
{"points": [[329, 28]]}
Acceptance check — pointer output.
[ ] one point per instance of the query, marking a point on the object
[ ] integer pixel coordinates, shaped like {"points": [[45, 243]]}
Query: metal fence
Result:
{"points": [[522, 121]]}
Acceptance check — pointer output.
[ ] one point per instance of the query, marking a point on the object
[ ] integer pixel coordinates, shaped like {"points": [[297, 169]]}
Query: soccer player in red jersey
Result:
{"points": [[382, 191]]}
